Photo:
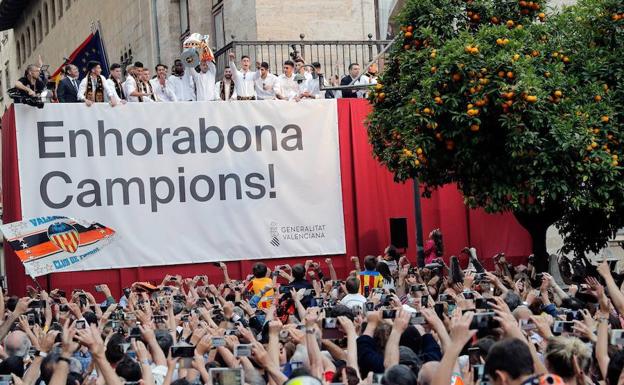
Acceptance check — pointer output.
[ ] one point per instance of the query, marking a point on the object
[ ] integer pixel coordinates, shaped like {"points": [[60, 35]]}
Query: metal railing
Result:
{"points": [[334, 55]]}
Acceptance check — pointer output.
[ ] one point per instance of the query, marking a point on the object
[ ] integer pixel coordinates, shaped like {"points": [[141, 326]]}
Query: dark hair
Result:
{"points": [[13, 364], [161, 65], [67, 68], [245, 56], [351, 373], [353, 64], [47, 366], [299, 60], [399, 375], [114, 351], [298, 271], [384, 270], [164, 340], [138, 64], [289, 63], [176, 61], [114, 66], [181, 381], [370, 262], [340, 310], [614, 370], [74, 378], [12, 303], [316, 64], [264, 65], [572, 303], [512, 299], [259, 270], [436, 236], [226, 67], [90, 317], [392, 252], [129, 369], [352, 285], [511, 356]]}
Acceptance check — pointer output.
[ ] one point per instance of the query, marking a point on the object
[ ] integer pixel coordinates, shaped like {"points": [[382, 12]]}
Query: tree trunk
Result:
{"points": [[537, 225]]}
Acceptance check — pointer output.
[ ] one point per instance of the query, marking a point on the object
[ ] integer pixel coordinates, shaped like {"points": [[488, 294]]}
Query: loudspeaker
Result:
{"points": [[398, 232]]}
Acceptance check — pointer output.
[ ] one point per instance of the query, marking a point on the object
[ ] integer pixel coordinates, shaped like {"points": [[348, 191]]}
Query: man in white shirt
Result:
{"points": [[244, 80], [181, 82], [204, 80], [286, 88], [145, 86], [353, 298], [225, 88], [160, 85], [312, 87], [114, 81], [131, 87], [94, 88], [265, 83], [300, 68]]}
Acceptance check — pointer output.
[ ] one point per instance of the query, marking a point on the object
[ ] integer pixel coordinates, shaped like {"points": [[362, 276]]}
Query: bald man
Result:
{"points": [[427, 371], [17, 343]]}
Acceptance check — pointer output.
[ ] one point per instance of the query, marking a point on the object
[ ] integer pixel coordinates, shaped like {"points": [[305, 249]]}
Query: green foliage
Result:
{"points": [[521, 107]]}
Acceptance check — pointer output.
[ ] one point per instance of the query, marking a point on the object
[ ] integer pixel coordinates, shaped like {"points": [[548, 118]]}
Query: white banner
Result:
{"points": [[188, 182]]}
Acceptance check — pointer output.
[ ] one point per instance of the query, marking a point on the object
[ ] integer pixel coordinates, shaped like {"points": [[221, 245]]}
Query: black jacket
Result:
{"points": [[66, 93]]}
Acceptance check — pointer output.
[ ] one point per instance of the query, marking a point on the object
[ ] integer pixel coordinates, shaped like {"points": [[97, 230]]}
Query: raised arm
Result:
{"points": [[617, 297]]}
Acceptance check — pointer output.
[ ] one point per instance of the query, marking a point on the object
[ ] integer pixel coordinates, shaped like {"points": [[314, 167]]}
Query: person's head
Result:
{"points": [[399, 375], [370, 263], [509, 360], [391, 253], [161, 71], [73, 377], [178, 67], [138, 64], [614, 370], [427, 372], [115, 71], [129, 369], [316, 66], [71, 71], [16, 343], [203, 67], [288, 68], [114, 349], [560, 353], [32, 71], [298, 271], [384, 270], [512, 299], [145, 74], [354, 70], [436, 236], [259, 270], [227, 73], [352, 284], [245, 62], [264, 69], [164, 340], [373, 69], [12, 365], [94, 68], [299, 65]]}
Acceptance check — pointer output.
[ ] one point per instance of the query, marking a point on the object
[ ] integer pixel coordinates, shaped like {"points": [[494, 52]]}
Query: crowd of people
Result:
{"points": [[298, 81], [390, 322]]}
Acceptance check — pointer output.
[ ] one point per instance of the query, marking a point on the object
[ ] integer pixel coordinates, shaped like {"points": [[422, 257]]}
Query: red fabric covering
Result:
{"points": [[370, 198]]}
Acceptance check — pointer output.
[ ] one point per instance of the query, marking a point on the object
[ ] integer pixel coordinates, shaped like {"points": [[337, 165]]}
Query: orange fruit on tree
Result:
{"points": [[541, 15], [494, 20], [438, 100], [474, 127], [604, 119], [531, 98], [509, 23], [410, 28], [501, 74], [426, 110], [558, 93], [378, 86], [597, 98], [456, 77], [510, 75], [594, 144], [433, 70], [408, 35]]}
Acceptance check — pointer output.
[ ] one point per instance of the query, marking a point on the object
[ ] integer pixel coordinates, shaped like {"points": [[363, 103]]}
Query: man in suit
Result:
{"points": [[67, 90]]}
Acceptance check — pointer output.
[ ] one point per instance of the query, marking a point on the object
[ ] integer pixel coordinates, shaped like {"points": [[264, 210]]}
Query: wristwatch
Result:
{"points": [[311, 330], [41, 354]]}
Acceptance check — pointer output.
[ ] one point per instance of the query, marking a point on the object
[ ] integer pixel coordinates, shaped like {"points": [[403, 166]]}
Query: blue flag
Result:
{"points": [[92, 49]]}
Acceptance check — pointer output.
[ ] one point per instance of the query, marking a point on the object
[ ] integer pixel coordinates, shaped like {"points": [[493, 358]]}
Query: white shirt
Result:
{"points": [[312, 85], [363, 80], [111, 84], [353, 300], [244, 81], [225, 91], [287, 87], [163, 93], [183, 86], [109, 92], [205, 82], [265, 87], [130, 86]]}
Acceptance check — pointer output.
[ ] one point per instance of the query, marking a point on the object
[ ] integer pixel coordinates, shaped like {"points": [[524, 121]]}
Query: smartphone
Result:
{"points": [[319, 301], [330, 329], [481, 303], [98, 288], [37, 304], [424, 301], [468, 294], [439, 309], [366, 291], [6, 379], [242, 350], [81, 324], [182, 351], [135, 332], [370, 306], [477, 371], [527, 324], [160, 319], [417, 318], [217, 342], [232, 332], [617, 337], [284, 289], [474, 356], [484, 320], [388, 314], [226, 376], [563, 326]]}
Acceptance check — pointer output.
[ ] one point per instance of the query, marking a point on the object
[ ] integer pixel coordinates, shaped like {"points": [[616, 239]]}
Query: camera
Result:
{"points": [[417, 319], [482, 321], [563, 326], [242, 350], [19, 96], [330, 323], [81, 324], [217, 342], [617, 337], [370, 306], [182, 351], [388, 314]]}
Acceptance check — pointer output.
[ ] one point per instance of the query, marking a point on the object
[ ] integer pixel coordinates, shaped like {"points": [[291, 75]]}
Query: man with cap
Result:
{"points": [[265, 83], [131, 88], [94, 88]]}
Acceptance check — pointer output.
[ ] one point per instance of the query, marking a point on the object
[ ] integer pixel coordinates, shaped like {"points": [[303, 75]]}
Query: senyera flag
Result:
{"points": [[52, 244], [92, 49]]}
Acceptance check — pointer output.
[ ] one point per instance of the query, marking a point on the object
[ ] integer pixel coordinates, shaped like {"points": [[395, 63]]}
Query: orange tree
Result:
{"points": [[521, 107]]}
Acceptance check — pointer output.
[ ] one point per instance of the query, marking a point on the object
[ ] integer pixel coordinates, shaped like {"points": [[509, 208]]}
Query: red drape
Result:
{"points": [[370, 198]]}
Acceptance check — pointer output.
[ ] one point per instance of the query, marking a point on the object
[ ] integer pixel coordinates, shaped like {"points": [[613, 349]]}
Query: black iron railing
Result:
{"points": [[334, 55]]}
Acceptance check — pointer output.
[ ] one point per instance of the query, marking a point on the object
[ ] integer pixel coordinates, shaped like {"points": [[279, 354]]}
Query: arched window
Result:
{"points": [[53, 5], [34, 34], [28, 41], [60, 9], [23, 43], [18, 47], [40, 29], [46, 19]]}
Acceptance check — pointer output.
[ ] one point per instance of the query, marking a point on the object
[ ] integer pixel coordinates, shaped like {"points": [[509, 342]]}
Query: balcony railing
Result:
{"points": [[334, 55]]}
